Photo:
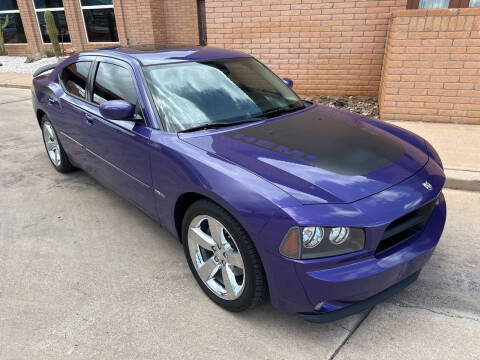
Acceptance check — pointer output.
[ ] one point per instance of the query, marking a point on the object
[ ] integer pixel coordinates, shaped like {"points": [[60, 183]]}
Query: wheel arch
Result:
{"points": [[184, 201], [40, 113]]}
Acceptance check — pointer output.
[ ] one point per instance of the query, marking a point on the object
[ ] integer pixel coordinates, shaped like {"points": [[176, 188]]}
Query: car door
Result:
{"points": [[68, 110], [118, 150]]}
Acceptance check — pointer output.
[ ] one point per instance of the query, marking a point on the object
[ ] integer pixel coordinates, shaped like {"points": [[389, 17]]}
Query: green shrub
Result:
{"points": [[49, 53]]}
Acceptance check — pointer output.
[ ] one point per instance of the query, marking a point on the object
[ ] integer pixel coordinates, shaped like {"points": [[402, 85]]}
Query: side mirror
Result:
{"points": [[288, 82], [117, 110]]}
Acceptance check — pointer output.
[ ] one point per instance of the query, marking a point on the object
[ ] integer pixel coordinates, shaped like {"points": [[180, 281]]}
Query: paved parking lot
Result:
{"points": [[83, 274]]}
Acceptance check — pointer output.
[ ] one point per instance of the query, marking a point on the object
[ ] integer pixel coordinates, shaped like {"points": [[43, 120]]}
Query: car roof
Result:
{"points": [[153, 54]]}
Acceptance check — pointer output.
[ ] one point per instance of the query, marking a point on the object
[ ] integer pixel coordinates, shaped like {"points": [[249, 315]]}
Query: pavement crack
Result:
{"points": [[14, 101], [438, 312], [343, 327], [337, 350], [81, 291]]}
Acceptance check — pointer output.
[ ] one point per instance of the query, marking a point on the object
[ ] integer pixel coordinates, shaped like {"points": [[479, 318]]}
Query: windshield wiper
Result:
{"points": [[207, 126], [279, 111], [255, 118]]}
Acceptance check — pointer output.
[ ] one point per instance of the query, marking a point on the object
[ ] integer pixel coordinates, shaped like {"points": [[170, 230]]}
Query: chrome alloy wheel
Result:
{"points": [[51, 143], [216, 257]]}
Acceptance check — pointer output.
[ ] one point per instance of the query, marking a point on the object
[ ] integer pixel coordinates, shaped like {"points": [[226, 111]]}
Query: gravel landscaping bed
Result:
{"points": [[364, 105], [16, 64]]}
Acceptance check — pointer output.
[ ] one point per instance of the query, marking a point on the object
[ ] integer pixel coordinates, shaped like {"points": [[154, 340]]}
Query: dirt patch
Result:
{"points": [[364, 105]]}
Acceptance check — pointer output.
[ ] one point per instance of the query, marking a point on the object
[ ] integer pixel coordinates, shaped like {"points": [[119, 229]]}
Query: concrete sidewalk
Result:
{"points": [[457, 144], [459, 148], [16, 80]]}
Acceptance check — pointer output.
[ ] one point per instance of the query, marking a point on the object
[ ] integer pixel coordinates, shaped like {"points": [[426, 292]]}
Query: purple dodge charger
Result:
{"points": [[325, 212]]}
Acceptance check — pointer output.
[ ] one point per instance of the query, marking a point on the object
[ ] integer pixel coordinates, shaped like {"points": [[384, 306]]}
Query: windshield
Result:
{"points": [[192, 94]]}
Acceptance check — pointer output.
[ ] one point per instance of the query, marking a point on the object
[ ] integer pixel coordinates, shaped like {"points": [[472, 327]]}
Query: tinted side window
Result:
{"points": [[74, 78], [113, 82]]}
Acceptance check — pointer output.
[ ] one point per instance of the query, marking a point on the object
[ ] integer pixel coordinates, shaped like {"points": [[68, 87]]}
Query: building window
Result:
{"points": [[99, 20], [441, 4], [13, 33], [56, 8], [202, 22], [434, 4]]}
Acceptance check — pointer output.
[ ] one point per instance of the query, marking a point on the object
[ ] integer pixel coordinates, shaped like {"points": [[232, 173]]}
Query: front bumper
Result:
{"points": [[361, 305], [320, 286], [343, 286], [351, 282]]}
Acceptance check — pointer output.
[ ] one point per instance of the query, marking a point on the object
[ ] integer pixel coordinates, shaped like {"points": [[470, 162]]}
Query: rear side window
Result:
{"points": [[113, 82], [74, 78]]}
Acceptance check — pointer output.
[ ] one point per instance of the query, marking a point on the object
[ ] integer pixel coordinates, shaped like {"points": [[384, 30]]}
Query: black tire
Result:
{"points": [[255, 284], [65, 165]]}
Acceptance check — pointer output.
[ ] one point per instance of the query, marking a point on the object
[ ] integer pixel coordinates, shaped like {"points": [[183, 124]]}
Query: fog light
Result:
{"points": [[338, 235], [319, 306]]}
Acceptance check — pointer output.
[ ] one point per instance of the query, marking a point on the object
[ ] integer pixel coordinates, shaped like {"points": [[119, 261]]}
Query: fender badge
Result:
{"points": [[427, 185]]}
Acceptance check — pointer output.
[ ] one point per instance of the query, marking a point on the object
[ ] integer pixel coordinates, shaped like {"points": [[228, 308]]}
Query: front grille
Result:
{"points": [[403, 228]]}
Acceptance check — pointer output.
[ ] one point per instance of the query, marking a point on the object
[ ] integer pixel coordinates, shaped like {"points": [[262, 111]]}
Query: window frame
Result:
{"points": [[126, 66], [62, 84], [93, 7], [51, 10], [454, 4], [17, 11]]}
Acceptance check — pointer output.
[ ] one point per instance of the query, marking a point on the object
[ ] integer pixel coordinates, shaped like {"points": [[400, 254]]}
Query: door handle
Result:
{"points": [[89, 119]]}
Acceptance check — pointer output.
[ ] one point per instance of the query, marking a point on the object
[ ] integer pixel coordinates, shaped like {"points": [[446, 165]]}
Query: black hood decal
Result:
{"points": [[316, 138]]}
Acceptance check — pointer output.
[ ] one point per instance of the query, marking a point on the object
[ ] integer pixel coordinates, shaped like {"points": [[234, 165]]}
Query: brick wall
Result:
{"points": [[181, 21], [327, 47], [432, 66]]}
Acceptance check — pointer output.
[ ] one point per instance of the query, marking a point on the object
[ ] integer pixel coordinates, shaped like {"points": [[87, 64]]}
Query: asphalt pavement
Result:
{"points": [[84, 274]]}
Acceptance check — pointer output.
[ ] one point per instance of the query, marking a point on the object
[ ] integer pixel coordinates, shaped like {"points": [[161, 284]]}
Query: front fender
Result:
{"points": [[179, 168]]}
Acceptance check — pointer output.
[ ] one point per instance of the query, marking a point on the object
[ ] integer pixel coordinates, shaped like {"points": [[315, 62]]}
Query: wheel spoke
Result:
{"points": [[55, 151], [202, 239], [229, 282], [46, 136], [208, 269], [235, 259], [216, 231], [50, 146], [50, 131]]}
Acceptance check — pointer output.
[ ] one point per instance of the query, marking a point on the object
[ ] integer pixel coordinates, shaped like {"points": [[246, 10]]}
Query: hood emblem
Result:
{"points": [[427, 185]]}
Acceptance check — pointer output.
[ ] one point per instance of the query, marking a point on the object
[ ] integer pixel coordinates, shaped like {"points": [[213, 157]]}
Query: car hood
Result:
{"points": [[319, 154]]}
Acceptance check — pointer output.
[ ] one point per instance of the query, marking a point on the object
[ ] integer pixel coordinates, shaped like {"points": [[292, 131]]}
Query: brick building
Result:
{"points": [[421, 57], [87, 24]]}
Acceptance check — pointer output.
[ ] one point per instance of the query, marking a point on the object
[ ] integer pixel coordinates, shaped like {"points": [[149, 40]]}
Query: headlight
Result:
{"points": [[312, 236], [432, 153], [318, 242], [338, 235]]}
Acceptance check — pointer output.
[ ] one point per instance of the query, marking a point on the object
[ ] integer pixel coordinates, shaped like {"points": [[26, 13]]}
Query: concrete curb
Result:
{"points": [[15, 86], [462, 179], [462, 184]]}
